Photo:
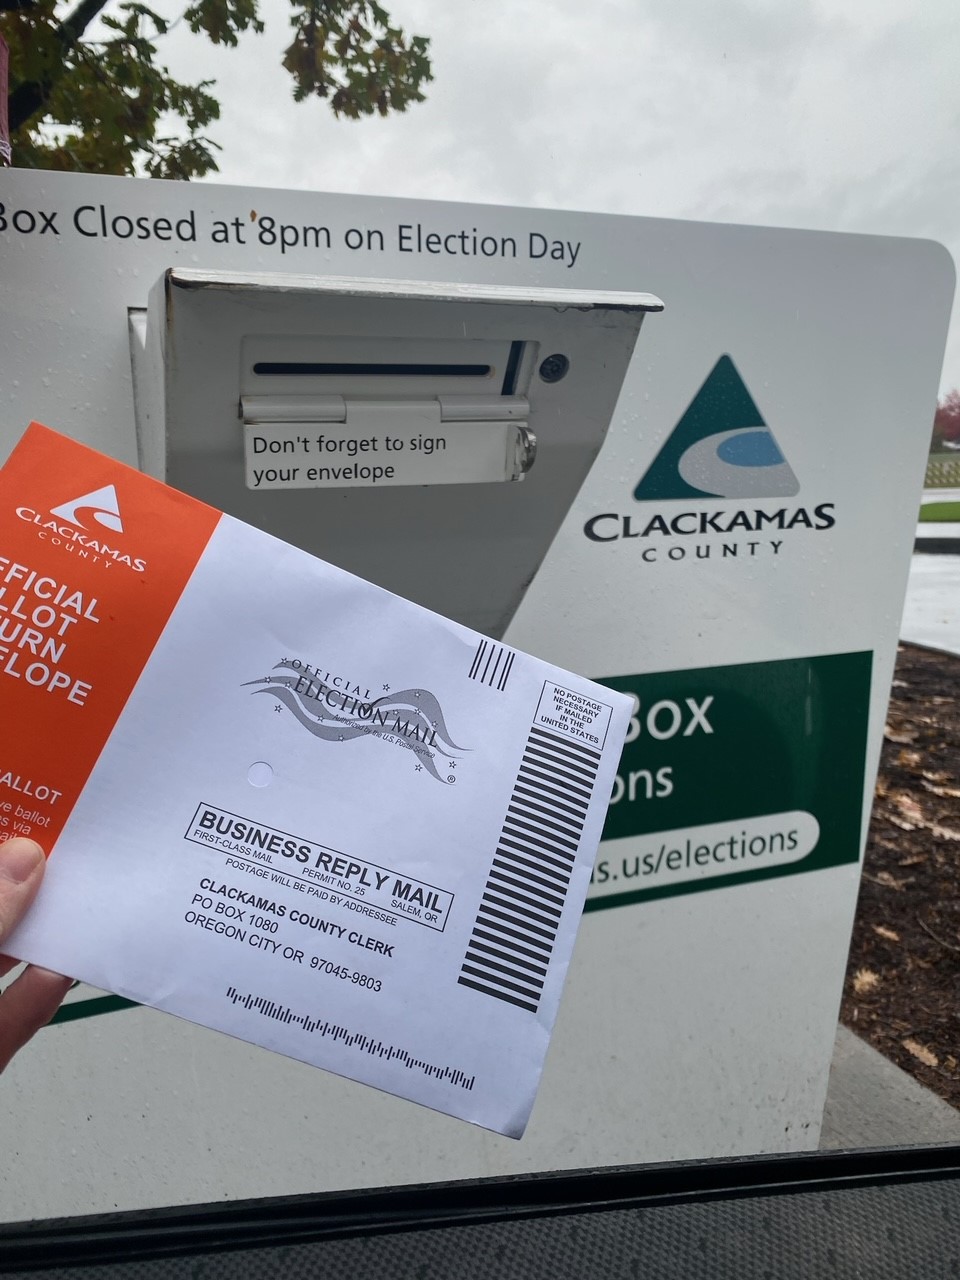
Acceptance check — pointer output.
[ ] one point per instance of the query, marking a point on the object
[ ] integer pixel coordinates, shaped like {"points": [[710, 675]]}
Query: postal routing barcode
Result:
{"points": [[516, 927], [355, 1039], [492, 664]]}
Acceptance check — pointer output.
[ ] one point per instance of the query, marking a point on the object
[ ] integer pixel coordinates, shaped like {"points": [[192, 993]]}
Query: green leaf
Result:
{"points": [[89, 92]]}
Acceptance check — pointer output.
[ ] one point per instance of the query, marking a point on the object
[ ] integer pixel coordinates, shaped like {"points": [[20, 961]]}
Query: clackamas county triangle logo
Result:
{"points": [[101, 504], [720, 448], [76, 519], [721, 483]]}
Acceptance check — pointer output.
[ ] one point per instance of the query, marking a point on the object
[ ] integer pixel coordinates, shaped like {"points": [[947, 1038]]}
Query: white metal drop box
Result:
{"points": [[383, 425]]}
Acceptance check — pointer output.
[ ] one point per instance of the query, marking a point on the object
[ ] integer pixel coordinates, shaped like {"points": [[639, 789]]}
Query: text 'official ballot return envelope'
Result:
{"points": [[285, 803]]}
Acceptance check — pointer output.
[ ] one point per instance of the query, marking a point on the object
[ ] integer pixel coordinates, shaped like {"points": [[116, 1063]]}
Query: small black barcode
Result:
{"points": [[516, 927], [355, 1039], [492, 664]]}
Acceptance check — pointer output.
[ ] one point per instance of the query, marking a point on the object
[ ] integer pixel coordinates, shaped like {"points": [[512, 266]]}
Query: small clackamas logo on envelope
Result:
{"points": [[101, 506], [75, 520], [411, 718]]}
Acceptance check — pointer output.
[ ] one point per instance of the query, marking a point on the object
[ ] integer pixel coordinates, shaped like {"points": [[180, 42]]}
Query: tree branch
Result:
{"points": [[29, 98], [76, 23]]}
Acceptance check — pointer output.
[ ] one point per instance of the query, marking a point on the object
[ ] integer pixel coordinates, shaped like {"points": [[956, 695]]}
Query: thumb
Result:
{"points": [[21, 870]]}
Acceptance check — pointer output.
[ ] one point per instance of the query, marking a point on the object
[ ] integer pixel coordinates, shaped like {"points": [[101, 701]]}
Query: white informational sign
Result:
{"points": [[732, 554], [384, 448], [341, 834]]}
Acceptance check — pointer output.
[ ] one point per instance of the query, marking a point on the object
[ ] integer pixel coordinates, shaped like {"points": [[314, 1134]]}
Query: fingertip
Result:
{"points": [[51, 979], [27, 1005], [20, 859]]}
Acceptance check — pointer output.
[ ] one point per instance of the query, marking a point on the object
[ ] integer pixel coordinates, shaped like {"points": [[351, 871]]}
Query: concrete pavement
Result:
{"points": [[931, 615], [872, 1103]]}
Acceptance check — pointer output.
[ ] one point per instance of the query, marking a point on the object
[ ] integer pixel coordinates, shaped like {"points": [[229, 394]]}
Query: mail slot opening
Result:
{"points": [[339, 369]]}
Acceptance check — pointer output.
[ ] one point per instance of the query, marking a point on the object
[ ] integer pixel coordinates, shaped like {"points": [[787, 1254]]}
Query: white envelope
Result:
{"points": [[283, 802]]}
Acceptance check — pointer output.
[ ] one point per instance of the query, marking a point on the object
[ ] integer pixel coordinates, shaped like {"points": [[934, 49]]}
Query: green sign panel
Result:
{"points": [[735, 773]]}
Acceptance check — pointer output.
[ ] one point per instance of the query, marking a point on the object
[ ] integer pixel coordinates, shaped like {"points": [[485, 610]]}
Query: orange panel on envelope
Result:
{"points": [[93, 559]]}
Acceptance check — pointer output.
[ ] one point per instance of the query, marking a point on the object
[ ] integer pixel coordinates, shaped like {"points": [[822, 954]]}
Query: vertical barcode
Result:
{"points": [[491, 665], [516, 927]]}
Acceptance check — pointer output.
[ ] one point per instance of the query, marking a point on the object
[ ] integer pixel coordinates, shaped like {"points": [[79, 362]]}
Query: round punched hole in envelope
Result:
{"points": [[260, 774]]}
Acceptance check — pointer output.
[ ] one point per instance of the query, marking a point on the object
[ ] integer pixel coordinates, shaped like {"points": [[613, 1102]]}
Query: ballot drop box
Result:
{"points": [[698, 487]]}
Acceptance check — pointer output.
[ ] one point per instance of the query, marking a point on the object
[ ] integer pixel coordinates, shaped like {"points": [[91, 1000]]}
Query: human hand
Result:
{"points": [[31, 1001]]}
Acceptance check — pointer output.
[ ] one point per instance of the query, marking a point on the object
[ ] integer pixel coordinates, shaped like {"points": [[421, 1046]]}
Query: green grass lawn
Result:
{"points": [[940, 511]]}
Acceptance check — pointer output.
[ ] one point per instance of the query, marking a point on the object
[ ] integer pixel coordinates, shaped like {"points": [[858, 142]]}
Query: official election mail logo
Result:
{"points": [[100, 506], [335, 711], [720, 448]]}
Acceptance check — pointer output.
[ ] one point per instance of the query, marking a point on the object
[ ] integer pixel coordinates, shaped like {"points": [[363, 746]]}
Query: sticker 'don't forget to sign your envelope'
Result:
{"points": [[282, 802]]}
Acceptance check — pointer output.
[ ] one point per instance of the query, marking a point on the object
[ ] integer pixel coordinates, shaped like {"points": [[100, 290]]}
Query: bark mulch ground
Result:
{"points": [[902, 989]]}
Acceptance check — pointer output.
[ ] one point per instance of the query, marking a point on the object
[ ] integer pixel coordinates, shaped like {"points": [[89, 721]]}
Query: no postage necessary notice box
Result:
{"points": [[285, 803]]}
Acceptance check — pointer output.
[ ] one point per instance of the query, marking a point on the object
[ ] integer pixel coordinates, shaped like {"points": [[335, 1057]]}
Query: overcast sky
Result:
{"points": [[841, 115]]}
